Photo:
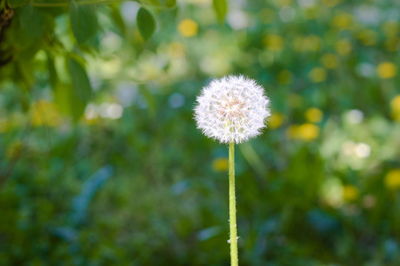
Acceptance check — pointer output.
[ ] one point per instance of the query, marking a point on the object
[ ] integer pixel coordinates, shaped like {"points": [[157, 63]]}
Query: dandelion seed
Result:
{"points": [[232, 109]]}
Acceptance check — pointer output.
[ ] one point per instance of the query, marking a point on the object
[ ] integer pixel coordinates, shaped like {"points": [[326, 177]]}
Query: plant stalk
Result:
{"points": [[232, 208]]}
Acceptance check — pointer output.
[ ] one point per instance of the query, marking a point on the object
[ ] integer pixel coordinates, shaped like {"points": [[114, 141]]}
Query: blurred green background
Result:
{"points": [[101, 162]]}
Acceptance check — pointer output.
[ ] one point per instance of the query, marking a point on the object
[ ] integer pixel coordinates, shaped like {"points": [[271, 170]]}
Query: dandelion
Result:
{"points": [[45, 113], [314, 115], [276, 120], [343, 47], [317, 74], [392, 179], [386, 70], [350, 193], [188, 28], [274, 42], [220, 164], [232, 110]]}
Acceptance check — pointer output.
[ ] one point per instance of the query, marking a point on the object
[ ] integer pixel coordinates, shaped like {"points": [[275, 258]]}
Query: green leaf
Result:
{"points": [[53, 77], [17, 3], [63, 98], [220, 8], [61, 92], [81, 89], [31, 26], [83, 22], [149, 98], [159, 3], [119, 22], [146, 23], [25, 73], [170, 3]]}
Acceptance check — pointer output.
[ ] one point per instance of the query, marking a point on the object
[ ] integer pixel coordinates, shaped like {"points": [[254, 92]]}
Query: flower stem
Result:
{"points": [[232, 207]]}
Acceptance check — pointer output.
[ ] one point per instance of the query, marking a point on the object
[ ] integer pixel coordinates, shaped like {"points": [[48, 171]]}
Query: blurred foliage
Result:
{"points": [[101, 163]]}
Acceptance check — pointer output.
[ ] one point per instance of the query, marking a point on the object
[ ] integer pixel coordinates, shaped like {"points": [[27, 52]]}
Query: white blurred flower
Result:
{"points": [[111, 110], [105, 110], [232, 109], [358, 150], [368, 15], [238, 19], [354, 116], [362, 150], [287, 14], [366, 69], [91, 112], [307, 3]]}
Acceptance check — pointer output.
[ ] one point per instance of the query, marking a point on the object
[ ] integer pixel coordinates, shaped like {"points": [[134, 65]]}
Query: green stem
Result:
{"points": [[232, 207]]}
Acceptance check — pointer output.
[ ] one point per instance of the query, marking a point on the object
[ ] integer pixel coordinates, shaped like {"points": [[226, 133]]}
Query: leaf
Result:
{"points": [[220, 8], [119, 22], [83, 22], [159, 3], [53, 77], [25, 74], [149, 98], [61, 92], [63, 98], [31, 26], [81, 89], [170, 3], [146, 23], [82, 201], [17, 3]]}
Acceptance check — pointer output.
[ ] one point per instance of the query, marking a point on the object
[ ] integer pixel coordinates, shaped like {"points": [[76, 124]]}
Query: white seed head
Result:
{"points": [[232, 109]]}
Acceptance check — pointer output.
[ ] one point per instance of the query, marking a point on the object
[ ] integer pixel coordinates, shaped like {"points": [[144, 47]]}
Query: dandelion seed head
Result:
{"points": [[232, 109]]}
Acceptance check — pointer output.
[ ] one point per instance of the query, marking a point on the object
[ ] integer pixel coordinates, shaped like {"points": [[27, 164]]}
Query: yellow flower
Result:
{"points": [[392, 179], [14, 149], [350, 193], [292, 131], [284, 77], [329, 61], [275, 120], [330, 3], [188, 28], [317, 74], [395, 106], [342, 21], [313, 115], [308, 43], [176, 49], [283, 3], [4, 125], [395, 103], [343, 47], [391, 29], [306, 132], [386, 70], [274, 42], [391, 44], [312, 43], [220, 164], [367, 37], [45, 113]]}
